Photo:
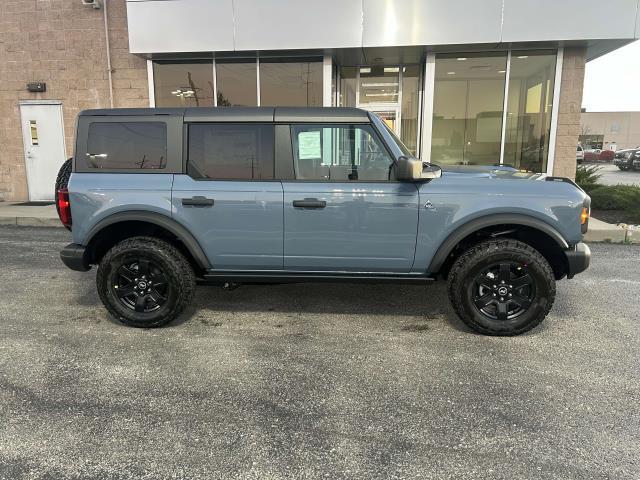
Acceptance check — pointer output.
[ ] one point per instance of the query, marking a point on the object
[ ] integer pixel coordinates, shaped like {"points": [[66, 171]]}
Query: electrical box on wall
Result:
{"points": [[37, 87]]}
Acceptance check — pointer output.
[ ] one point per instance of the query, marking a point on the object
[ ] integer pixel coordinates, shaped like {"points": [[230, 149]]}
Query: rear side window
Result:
{"points": [[230, 151], [126, 145]]}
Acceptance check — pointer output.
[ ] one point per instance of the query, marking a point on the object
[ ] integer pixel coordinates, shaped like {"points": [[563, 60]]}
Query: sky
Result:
{"points": [[612, 82]]}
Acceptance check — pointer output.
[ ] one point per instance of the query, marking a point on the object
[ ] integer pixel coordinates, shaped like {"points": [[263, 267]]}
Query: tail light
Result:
{"points": [[64, 207]]}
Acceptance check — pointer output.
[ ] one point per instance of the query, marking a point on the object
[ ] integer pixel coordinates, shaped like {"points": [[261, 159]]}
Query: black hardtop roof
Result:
{"points": [[244, 114]]}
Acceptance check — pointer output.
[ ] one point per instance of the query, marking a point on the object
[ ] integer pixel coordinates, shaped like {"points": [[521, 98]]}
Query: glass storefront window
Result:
{"points": [[468, 102], [348, 86], [410, 107], [292, 84], [529, 102], [183, 84], [236, 83], [379, 84]]}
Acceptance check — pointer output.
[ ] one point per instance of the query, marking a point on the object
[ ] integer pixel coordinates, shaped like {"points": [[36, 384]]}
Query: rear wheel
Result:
{"points": [[501, 287], [145, 282]]}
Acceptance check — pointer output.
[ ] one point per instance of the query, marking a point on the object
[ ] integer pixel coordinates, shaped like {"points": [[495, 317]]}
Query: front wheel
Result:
{"points": [[145, 282], [501, 287]]}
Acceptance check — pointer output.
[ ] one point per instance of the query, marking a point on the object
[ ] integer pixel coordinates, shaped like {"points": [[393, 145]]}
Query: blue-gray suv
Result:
{"points": [[161, 198]]}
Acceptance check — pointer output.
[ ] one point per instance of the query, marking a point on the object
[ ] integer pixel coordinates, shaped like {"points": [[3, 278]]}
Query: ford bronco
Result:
{"points": [[161, 198]]}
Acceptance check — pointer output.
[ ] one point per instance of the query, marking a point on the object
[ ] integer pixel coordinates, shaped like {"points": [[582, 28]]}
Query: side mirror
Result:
{"points": [[414, 169]]}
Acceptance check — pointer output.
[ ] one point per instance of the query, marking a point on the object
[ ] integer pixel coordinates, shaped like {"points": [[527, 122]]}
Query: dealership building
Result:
{"points": [[461, 82]]}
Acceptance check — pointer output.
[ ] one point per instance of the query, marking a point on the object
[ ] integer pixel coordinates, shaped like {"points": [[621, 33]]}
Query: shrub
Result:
{"points": [[587, 176], [615, 197]]}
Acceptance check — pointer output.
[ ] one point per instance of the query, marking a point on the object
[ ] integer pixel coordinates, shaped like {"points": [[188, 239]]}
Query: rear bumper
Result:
{"points": [[578, 259], [73, 257]]}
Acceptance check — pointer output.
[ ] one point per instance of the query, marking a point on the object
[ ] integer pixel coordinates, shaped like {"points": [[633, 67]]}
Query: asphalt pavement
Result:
{"points": [[612, 175], [313, 381]]}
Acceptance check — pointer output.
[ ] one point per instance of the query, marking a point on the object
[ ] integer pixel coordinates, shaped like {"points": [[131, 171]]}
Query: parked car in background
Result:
{"points": [[579, 154], [158, 198], [606, 155], [625, 159], [598, 155], [591, 154]]}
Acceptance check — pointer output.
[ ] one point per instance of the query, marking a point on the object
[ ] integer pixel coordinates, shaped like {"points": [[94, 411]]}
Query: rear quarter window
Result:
{"points": [[125, 146]]}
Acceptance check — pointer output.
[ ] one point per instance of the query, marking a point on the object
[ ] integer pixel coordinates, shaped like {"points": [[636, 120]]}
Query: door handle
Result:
{"points": [[309, 203], [200, 202]]}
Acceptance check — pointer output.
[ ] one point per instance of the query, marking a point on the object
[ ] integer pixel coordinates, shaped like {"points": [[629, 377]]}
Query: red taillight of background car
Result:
{"points": [[64, 207]]}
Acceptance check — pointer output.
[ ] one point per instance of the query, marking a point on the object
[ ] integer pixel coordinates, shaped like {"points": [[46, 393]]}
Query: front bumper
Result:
{"points": [[624, 162], [578, 259], [73, 256]]}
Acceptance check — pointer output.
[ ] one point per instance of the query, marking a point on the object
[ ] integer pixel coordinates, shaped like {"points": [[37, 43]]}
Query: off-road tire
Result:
{"points": [[179, 274], [478, 257]]}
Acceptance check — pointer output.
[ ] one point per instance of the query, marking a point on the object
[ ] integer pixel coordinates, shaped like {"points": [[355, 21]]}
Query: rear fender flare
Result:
{"points": [[160, 220]]}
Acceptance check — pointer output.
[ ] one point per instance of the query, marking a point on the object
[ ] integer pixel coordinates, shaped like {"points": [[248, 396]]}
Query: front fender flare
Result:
{"points": [[474, 225], [160, 220]]}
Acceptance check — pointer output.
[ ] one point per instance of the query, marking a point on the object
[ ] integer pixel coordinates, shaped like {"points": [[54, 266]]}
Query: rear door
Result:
{"points": [[228, 199], [342, 212]]}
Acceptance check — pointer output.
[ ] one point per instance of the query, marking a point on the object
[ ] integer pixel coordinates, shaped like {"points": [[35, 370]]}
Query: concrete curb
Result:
{"points": [[31, 222]]}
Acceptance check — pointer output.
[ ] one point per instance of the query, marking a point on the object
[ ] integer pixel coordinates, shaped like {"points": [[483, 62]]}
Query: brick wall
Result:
{"points": [[62, 43], [569, 112]]}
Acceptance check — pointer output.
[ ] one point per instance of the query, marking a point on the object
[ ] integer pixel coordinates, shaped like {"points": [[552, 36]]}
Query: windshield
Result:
{"points": [[405, 151]]}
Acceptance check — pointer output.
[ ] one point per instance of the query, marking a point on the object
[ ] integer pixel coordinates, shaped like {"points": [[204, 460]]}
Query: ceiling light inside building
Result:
{"points": [[391, 69], [451, 73], [501, 71], [380, 84], [365, 70], [523, 56], [462, 59]]}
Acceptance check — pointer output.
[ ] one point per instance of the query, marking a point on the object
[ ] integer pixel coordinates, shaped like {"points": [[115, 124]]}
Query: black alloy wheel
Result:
{"points": [[503, 291], [141, 285]]}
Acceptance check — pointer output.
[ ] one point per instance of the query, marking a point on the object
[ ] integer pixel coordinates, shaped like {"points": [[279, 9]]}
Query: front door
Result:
{"points": [[228, 199], [342, 212], [44, 149]]}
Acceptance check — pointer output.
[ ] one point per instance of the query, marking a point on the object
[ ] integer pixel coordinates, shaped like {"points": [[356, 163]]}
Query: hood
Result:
{"points": [[490, 171]]}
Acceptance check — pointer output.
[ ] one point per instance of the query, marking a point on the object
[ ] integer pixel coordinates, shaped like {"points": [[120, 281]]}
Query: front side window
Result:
{"points": [[126, 145], [339, 153], [229, 151]]}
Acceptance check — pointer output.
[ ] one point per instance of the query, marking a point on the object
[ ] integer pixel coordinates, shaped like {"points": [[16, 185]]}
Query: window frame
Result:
{"points": [[173, 125], [185, 149], [375, 133]]}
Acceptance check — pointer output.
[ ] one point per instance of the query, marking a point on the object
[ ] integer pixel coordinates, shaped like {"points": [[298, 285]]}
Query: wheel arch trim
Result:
{"points": [[159, 220], [466, 229]]}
